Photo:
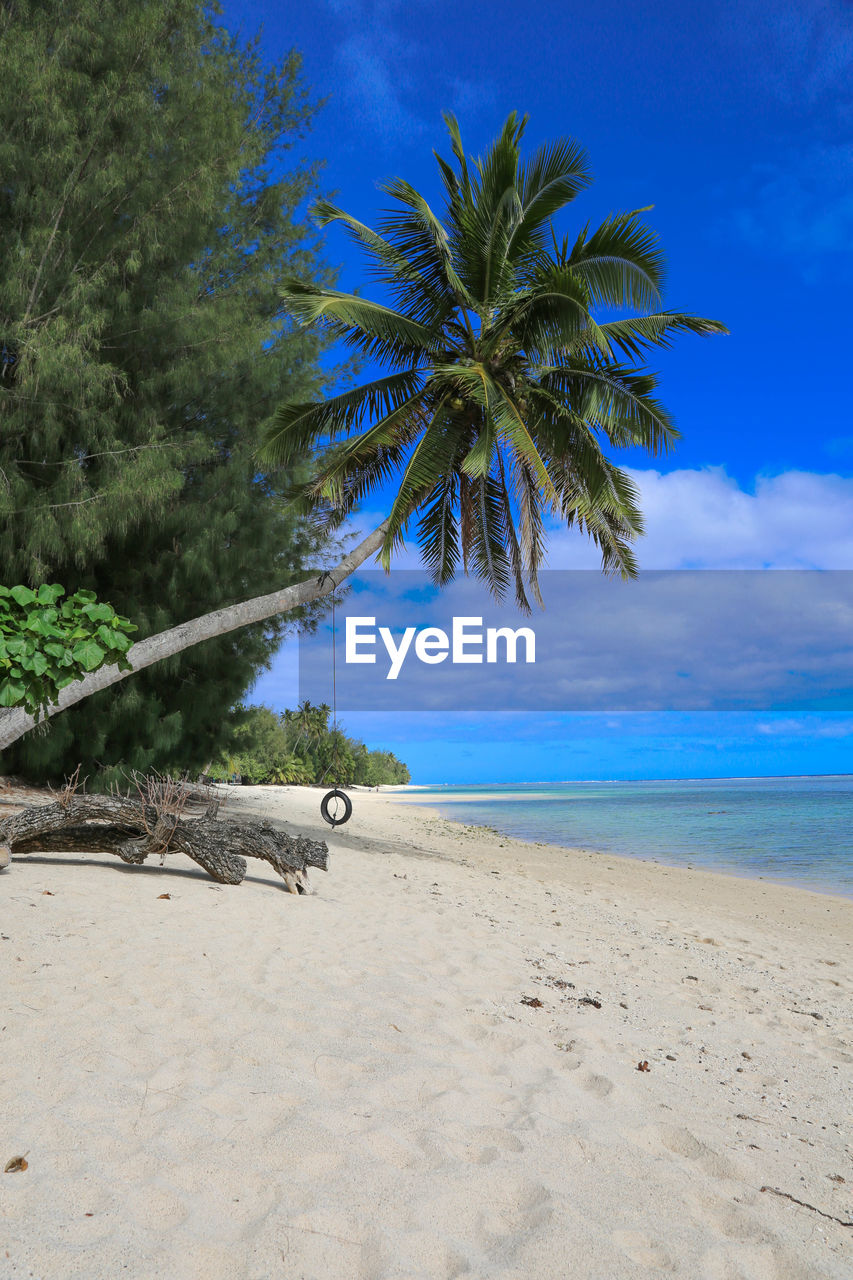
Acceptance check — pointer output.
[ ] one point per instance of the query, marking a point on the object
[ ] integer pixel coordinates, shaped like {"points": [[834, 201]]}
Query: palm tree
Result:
{"points": [[308, 722], [499, 394], [499, 390], [292, 771]]}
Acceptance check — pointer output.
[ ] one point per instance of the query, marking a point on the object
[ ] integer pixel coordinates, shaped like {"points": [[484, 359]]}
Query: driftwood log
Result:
{"points": [[134, 831]]}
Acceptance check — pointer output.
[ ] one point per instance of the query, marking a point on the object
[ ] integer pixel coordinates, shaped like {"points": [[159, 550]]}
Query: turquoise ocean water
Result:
{"points": [[792, 830]]}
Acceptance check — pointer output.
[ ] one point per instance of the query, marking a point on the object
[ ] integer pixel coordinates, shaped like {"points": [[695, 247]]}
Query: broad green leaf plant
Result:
{"points": [[47, 643], [512, 361]]}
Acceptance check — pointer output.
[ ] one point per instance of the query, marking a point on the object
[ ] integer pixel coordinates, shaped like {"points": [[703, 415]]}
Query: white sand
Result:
{"points": [[236, 1084]]}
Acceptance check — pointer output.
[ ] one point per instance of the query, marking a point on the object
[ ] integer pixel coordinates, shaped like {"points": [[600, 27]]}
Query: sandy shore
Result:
{"points": [[426, 1070]]}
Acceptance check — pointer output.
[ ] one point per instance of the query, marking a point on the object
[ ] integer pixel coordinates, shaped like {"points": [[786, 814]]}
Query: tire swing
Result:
{"points": [[336, 806]]}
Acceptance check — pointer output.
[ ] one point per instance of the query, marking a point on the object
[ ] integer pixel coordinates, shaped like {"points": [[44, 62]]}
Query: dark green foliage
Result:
{"points": [[146, 220], [47, 642], [300, 747], [501, 393], [259, 747]]}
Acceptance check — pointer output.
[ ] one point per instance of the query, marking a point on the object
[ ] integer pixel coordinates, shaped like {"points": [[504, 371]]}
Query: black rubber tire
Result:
{"points": [[324, 808]]}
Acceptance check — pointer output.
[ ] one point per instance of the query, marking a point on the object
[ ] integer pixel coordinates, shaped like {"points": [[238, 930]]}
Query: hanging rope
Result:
{"points": [[336, 806], [335, 758]]}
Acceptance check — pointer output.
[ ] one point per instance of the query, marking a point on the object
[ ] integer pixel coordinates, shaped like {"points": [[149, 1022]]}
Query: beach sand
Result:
{"points": [[427, 1069]]}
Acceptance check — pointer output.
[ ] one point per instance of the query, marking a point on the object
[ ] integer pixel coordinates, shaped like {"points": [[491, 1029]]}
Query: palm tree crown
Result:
{"points": [[500, 391]]}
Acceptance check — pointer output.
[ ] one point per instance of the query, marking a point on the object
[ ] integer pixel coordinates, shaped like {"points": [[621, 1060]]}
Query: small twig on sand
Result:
{"points": [[787, 1196], [141, 1107], [329, 1235]]}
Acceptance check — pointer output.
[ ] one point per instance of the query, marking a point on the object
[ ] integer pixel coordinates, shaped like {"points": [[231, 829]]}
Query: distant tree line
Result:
{"points": [[302, 748]]}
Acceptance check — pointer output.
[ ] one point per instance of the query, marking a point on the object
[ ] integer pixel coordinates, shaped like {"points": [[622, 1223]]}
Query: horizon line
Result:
{"points": [[551, 782]]}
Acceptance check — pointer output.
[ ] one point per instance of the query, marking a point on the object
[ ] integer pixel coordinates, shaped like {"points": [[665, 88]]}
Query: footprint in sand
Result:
{"points": [[834, 1048], [394, 1149], [598, 1086], [643, 1249], [730, 1220], [480, 1145], [771, 1262], [683, 1143], [515, 1207]]}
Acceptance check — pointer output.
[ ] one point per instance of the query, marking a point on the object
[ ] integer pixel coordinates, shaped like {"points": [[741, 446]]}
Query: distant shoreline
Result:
{"points": [[793, 830], [590, 782]]}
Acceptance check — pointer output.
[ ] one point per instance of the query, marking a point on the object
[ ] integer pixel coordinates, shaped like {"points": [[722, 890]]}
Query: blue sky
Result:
{"points": [[735, 120]]}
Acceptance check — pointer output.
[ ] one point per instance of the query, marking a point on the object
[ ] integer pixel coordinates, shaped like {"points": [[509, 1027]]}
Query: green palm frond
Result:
{"points": [[549, 316], [390, 267], [489, 553], [342, 465], [455, 135], [481, 225], [552, 179], [634, 337], [514, 429], [419, 234], [513, 546], [438, 532], [373, 472], [620, 262], [616, 399], [378, 331], [296, 428], [611, 517], [433, 453], [531, 525]]}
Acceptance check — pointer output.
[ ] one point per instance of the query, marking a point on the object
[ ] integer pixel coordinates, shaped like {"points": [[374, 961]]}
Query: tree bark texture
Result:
{"points": [[134, 831]]}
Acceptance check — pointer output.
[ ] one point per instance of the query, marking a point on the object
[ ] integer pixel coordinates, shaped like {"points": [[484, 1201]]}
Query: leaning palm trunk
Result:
{"points": [[15, 722]]}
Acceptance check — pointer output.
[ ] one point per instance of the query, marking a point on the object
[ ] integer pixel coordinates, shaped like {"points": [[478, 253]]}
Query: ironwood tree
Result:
{"points": [[148, 211]]}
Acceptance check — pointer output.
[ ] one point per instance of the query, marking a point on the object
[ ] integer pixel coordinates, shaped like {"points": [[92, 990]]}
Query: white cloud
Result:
{"points": [[704, 519], [808, 727]]}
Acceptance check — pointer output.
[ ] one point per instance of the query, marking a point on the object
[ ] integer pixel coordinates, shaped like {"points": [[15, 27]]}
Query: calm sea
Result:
{"points": [[794, 830]]}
